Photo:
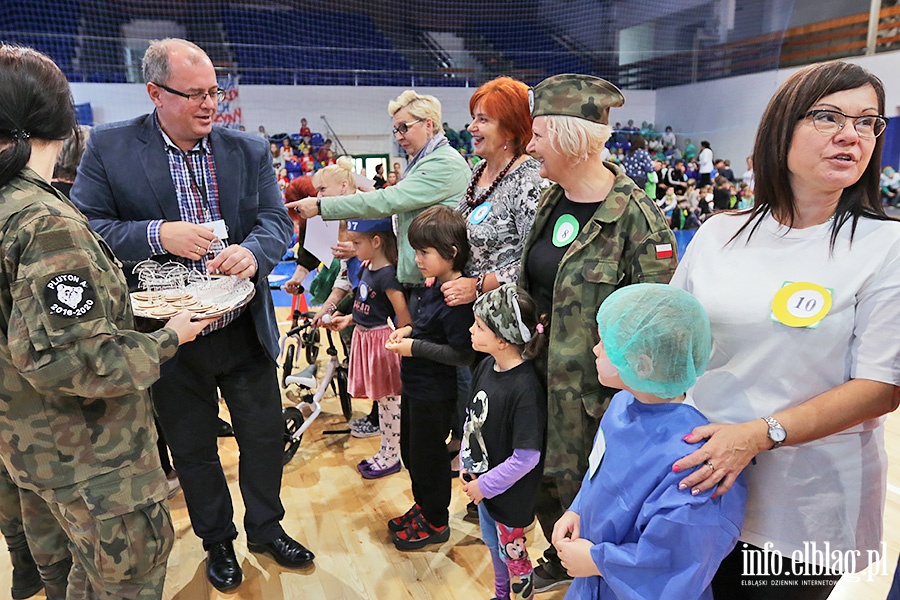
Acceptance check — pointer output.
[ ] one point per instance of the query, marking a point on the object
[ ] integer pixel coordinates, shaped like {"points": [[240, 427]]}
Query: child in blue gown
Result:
{"points": [[630, 532]]}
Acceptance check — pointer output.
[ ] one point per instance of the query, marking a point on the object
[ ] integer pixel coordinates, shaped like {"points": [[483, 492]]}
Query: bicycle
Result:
{"points": [[311, 392]]}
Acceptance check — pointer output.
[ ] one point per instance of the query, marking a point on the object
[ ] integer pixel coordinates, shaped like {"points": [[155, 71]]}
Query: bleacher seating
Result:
{"points": [[54, 37], [533, 56], [317, 48]]}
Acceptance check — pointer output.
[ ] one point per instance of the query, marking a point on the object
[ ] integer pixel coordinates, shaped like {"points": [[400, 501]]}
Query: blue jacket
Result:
{"points": [[651, 540], [124, 183]]}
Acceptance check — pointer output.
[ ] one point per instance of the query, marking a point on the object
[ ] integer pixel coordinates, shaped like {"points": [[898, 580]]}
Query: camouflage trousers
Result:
{"points": [[560, 486], [24, 515], [120, 534]]}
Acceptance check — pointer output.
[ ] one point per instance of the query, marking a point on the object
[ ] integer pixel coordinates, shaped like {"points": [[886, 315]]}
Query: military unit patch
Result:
{"points": [[68, 295]]}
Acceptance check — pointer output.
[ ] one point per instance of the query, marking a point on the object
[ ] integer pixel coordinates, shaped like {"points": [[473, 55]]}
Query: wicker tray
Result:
{"points": [[208, 299]]}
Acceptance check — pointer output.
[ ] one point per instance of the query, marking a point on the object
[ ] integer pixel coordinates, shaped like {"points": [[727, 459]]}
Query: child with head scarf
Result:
{"points": [[503, 436]]}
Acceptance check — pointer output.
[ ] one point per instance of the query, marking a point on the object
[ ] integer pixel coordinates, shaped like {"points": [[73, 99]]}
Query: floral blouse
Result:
{"points": [[497, 229]]}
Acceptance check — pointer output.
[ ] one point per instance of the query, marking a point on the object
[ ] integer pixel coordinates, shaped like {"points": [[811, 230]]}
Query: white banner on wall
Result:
{"points": [[229, 111]]}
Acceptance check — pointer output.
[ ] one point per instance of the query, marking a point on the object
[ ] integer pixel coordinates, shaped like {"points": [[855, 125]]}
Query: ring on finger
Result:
{"points": [[710, 465]]}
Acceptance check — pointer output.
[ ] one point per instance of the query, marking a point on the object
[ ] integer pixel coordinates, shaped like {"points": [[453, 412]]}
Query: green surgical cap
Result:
{"points": [[661, 323]]}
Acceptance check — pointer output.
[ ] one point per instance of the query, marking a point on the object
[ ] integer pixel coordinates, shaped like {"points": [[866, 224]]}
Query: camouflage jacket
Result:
{"points": [[618, 247], [73, 374]]}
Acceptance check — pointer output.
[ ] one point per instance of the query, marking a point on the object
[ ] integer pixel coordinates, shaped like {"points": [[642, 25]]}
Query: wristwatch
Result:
{"points": [[776, 432]]}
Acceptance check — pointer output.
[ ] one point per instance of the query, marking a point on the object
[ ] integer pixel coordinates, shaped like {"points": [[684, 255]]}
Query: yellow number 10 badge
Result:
{"points": [[801, 304]]}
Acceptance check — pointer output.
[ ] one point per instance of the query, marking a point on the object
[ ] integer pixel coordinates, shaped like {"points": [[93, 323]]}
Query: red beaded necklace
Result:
{"points": [[470, 193]]}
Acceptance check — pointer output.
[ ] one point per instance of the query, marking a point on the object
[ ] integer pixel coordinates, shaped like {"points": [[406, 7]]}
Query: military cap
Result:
{"points": [[573, 95]]}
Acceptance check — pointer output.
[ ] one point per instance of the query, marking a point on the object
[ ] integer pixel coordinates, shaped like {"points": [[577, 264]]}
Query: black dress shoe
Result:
{"points": [[286, 551], [225, 429], [222, 568]]}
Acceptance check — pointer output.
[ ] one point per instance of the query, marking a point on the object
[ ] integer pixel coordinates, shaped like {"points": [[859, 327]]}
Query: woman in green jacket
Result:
{"points": [[595, 231], [436, 174]]}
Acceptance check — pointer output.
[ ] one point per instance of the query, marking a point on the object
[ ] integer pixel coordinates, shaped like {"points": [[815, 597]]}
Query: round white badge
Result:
{"points": [[363, 291], [480, 213]]}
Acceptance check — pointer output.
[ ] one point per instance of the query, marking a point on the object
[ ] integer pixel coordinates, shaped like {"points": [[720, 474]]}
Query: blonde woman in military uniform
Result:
{"points": [[76, 426], [595, 231]]}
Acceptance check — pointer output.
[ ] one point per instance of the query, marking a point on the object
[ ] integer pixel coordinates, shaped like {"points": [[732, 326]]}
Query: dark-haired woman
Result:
{"points": [[76, 426], [705, 163], [803, 295]]}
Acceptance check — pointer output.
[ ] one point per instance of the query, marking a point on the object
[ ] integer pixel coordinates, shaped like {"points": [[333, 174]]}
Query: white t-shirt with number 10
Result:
{"points": [[791, 319]]}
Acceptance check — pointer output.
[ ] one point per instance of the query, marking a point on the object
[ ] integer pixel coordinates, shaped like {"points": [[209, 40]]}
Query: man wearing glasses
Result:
{"points": [[167, 186]]}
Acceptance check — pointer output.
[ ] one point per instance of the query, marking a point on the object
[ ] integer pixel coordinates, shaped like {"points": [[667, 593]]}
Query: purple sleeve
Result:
{"points": [[503, 476]]}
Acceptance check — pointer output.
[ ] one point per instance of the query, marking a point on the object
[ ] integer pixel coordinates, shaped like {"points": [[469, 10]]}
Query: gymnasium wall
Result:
{"points": [[726, 112]]}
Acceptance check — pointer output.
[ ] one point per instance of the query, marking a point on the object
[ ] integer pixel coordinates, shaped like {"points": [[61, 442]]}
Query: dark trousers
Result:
{"points": [[186, 398], [424, 426], [730, 582], [463, 393], [553, 499], [894, 593]]}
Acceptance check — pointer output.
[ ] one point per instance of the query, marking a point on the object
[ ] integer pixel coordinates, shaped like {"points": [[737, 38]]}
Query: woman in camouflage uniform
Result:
{"points": [[595, 231], [76, 427]]}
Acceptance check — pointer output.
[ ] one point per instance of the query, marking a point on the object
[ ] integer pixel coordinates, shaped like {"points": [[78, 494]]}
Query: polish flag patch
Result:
{"points": [[663, 250]]}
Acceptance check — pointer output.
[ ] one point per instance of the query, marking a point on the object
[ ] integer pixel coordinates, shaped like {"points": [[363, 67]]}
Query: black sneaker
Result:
{"points": [[419, 533], [471, 513], [547, 576], [400, 523]]}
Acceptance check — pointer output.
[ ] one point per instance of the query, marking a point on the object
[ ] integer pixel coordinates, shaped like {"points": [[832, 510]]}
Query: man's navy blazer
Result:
{"points": [[124, 183]]}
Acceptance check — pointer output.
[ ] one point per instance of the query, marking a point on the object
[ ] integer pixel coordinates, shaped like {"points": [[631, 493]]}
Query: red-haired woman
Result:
{"points": [[502, 197]]}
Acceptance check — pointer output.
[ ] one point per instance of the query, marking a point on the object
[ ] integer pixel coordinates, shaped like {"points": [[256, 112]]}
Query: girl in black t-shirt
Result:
{"points": [[374, 371], [503, 437]]}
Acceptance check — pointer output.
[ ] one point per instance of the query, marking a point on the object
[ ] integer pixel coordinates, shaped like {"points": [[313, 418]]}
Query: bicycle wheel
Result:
{"points": [[343, 393], [311, 343], [288, 365], [293, 420]]}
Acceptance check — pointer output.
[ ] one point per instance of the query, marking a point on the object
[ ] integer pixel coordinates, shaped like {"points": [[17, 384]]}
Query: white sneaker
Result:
{"points": [[363, 428]]}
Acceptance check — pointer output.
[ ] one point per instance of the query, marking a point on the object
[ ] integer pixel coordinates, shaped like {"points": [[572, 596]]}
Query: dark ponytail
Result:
{"points": [[35, 104], [535, 323], [15, 153]]}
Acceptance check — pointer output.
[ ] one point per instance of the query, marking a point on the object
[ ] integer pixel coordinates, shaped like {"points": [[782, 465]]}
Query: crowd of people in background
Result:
{"points": [[671, 172]]}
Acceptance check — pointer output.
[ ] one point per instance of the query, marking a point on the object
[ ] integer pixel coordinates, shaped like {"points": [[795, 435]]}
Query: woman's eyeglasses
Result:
{"points": [[832, 121], [402, 128], [197, 97]]}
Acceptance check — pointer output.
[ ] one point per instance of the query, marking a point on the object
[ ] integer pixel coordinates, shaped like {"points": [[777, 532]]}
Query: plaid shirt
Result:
{"points": [[194, 176]]}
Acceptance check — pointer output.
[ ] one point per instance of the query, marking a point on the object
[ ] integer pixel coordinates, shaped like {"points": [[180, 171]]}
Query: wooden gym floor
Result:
{"points": [[342, 518]]}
